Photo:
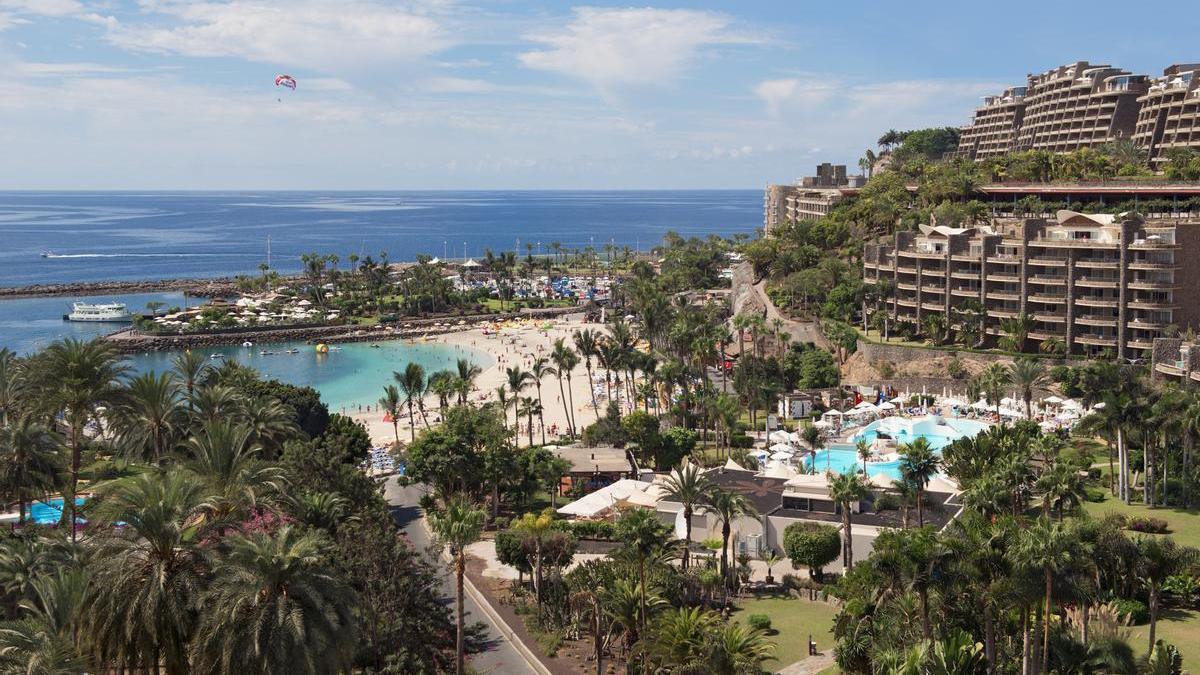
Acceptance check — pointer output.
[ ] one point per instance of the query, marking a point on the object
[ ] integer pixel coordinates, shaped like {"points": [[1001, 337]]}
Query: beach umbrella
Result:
{"points": [[782, 455], [1052, 400], [783, 447], [887, 405], [778, 436]]}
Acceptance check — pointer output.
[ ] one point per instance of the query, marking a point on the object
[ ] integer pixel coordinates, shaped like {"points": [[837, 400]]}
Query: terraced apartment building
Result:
{"points": [[1098, 283], [996, 125], [1082, 105], [1169, 116]]}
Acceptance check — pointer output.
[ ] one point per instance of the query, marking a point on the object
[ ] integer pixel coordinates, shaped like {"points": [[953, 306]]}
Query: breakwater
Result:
{"points": [[200, 288], [133, 341]]}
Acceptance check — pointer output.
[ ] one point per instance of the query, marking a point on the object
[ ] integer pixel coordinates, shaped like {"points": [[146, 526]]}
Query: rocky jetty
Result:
{"points": [[201, 288]]}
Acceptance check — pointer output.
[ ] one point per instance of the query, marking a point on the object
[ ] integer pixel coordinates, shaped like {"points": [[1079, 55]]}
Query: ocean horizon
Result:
{"points": [[150, 235]]}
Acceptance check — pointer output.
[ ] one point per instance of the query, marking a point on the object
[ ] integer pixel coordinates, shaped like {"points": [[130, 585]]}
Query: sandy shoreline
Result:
{"points": [[510, 347]]}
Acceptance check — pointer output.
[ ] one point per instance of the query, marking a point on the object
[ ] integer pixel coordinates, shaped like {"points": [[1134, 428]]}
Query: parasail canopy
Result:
{"points": [[285, 81]]}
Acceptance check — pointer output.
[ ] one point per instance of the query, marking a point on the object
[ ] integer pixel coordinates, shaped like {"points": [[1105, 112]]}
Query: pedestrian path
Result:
{"points": [[810, 666]]}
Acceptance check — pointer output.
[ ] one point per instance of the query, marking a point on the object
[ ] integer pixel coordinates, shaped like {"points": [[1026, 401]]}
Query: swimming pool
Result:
{"points": [[50, 511], [940, 432]]}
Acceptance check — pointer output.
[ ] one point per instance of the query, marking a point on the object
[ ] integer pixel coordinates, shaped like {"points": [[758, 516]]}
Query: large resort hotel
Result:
{"points": [[1099, 283], [1082, 105]]}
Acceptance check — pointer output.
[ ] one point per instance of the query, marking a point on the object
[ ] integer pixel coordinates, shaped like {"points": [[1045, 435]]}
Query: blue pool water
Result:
{"points": [[49, 511], [840, 458]]}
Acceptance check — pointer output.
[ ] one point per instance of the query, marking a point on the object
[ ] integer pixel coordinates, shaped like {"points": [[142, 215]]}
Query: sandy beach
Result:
{"points": [[518, 343]]}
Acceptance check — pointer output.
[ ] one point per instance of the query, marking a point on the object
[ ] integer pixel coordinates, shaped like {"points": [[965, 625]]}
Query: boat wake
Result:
{"points": [[145, 255]]}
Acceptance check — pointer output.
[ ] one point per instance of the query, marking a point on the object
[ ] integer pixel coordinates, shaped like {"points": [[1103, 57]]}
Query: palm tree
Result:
{"points": [[73, 379], [689, 486], [147, 575], [540, 369], [150, 415], [1048, 547], [680, 637], [390, 403], [642, 534], [215, 402], [1030, 378], [536, 526], [863, 448], [918, 465], [529, 408], [8, 384], [30, 465], [1062, 488], [276, 607], [993, 379], [443, 385], [738, 649], [1160, 558], [727, 506], [225, 459], [456, 528], [412, 385], [848, 490], [565, 361], [191, 369], [518, 380], [586, 343], [467, 372]]}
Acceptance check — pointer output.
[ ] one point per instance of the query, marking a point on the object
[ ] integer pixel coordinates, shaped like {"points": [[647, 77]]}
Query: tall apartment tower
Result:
{"points": [[1079, 105], [993, 131], [1170, 111]]}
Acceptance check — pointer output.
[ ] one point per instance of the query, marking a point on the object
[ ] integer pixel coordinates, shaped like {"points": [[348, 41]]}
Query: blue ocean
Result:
{"points": [[93, 236], [139, 236]]}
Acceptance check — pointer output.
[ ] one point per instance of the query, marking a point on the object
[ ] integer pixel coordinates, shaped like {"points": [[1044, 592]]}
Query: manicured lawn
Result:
{"points": [[1184, 524], [1176, 626], [1179, 627], [792, 621]]}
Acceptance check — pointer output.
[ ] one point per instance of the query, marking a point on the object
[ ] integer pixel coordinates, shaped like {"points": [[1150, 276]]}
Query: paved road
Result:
{"points": [[500, 656]]}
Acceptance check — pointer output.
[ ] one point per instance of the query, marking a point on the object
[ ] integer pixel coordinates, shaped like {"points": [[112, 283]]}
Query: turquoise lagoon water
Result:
{"points": [[841, 457], [349, 376]]}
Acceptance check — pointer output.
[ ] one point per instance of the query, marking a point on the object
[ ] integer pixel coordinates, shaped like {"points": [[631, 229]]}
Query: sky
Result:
{"points": [[501, 94]]}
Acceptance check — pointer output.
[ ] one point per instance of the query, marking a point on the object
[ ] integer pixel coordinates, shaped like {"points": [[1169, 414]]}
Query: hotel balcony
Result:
{"points": [[1049, 279], [1049, 298], [1003, 276], [964, 292], [1175, 369], [1090, 301], [1050, 317], [1096, 320], [1147, 303], [1147, 285], [933, 306], [1003, 295], [1098, 264], [1152, 265], [1098, 282], [939, 289], [1047, 261], [1003, 313], [1139, 344], [964, 274], [1096, 340]]}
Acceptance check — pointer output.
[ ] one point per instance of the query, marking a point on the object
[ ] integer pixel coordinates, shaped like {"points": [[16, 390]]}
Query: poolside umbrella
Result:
{"points": [[882, 480], [887, 405], [782, 455], [783, 447], [779, 436]]}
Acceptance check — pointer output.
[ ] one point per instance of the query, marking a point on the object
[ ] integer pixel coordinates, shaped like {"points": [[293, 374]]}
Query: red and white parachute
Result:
{"points": [[285, 81]]}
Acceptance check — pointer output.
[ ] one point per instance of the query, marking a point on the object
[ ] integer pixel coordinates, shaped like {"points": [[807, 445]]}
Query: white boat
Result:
{"points": [[111, 312]]}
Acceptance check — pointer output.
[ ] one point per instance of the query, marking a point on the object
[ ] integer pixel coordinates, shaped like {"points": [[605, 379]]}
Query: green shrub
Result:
{"points": [[887, 502], [741, 441], [1133, 610], [1148, 525], [956, 369], [812, 545], [759, 621], [593, 529]]}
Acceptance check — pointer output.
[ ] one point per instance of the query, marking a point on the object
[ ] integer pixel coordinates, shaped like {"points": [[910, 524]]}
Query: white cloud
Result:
{"points": [[459, 85], [613, 47], [321, 36], [33, 69], [794, 91]]}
